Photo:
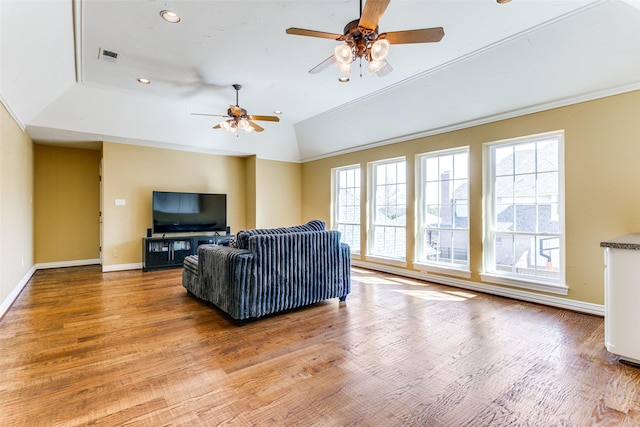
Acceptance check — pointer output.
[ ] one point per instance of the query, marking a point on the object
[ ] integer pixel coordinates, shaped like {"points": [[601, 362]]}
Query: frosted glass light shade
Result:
{"points": [[380, 49], [225, 125], [344, 68], [343, 54], [243, 124], [375, 66]]}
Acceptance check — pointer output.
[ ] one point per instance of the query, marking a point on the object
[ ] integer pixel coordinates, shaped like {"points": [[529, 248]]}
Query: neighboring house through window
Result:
{"points": [[524, 222], [388, 210], [346, 200], [442, 239]]}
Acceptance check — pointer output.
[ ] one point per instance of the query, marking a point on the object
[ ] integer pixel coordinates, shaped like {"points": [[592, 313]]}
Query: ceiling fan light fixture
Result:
{"points": [[375, 66], [343, 54], [380, 49], [225, 126], [344, 68], [244, 124]]}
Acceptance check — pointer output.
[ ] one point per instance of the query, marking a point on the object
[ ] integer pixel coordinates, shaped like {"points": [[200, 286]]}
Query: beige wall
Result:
{"points": [[259, 193], [16, 208], [602, 177], [250, 192], [273, 193], [132, 173], [278, 195], [67, 204]]}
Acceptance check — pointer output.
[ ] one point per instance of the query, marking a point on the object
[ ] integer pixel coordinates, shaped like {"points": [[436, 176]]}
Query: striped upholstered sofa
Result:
{"points": [[271, 270]]}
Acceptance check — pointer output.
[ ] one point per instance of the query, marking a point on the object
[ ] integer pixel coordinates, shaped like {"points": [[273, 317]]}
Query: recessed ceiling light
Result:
{"points": [[343, 79], [144, 81], [277, 112], [170, 16]]}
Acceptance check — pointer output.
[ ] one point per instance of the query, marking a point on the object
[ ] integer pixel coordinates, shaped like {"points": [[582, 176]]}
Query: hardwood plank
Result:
{"points": [[82, 347]]}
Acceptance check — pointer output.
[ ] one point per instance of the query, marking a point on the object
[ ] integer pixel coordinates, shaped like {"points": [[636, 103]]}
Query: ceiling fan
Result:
{"points": [[238, 118], [362, 40]]}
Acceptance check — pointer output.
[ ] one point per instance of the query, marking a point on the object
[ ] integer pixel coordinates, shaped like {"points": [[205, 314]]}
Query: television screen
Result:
{"points": [[188, 212]]}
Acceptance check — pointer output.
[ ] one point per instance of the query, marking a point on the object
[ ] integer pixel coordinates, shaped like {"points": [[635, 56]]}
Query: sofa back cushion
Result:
{"points": [[242, 237]]}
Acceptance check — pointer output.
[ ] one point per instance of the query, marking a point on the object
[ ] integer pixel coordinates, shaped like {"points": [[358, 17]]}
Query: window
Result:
{"points": [[347, 205], [387, 219], [443, 210], [524, 238]]}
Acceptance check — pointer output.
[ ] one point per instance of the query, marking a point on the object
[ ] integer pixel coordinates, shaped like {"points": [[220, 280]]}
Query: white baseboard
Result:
{"points": [[9, 300], [569, 304], [121, 267], [76, 263], [60, 264]]}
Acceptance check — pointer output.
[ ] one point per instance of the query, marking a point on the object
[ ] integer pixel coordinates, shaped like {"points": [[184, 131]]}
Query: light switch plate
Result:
{"points": [[121, 202]]}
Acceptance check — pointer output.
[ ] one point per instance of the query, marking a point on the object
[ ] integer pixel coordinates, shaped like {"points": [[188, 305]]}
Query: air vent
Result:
{"points": [[108, 55]]}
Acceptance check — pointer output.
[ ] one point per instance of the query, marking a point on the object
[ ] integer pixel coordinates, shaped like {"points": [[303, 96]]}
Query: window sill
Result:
{"points": [[439, 269], [552, 288], [387, 261]]}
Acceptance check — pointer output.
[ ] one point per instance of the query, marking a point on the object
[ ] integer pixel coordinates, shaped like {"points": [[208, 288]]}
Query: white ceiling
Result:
{"points": [[494, 61]]}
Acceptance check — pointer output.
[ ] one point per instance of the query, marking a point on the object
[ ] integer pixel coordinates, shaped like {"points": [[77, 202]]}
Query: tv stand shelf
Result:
{"points": [[167, 252]]}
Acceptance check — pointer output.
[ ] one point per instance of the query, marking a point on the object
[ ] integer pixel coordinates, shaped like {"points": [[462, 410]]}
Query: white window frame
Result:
{"points": [[371, 255], [459, 270], [489, 273], [336, 221]]}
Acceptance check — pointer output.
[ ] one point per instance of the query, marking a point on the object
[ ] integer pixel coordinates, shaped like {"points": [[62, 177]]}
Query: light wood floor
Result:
{"points": [[80, 347]]}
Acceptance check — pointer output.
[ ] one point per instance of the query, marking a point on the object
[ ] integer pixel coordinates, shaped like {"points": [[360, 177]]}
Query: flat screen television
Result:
{"points": [[175, 212]]}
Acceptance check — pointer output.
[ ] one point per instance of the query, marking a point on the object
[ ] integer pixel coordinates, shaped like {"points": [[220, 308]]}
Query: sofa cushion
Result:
{"points": [[242, 237]]}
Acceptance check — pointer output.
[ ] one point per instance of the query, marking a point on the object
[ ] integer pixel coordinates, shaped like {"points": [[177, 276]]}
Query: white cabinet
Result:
{"points": [[622, 297]]}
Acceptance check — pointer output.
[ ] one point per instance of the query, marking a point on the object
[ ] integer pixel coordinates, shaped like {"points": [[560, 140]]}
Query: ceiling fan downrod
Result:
{"points": [[237, 87]]}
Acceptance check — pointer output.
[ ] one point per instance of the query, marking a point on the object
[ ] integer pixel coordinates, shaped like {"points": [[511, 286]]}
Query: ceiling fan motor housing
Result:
{"points": [[359, 38], [236, 112]]}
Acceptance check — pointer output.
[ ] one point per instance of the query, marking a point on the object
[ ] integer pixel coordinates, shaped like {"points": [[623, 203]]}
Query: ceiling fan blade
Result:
{"points": [[426, 35], [256, 127], [313, 33], [265, 118], [210, 115], [323, 65], [216, 126], [373, 10]]}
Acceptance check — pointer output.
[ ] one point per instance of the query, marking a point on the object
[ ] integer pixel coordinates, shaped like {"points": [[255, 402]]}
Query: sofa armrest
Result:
{"points": [[345, 259], [225, 275]]}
